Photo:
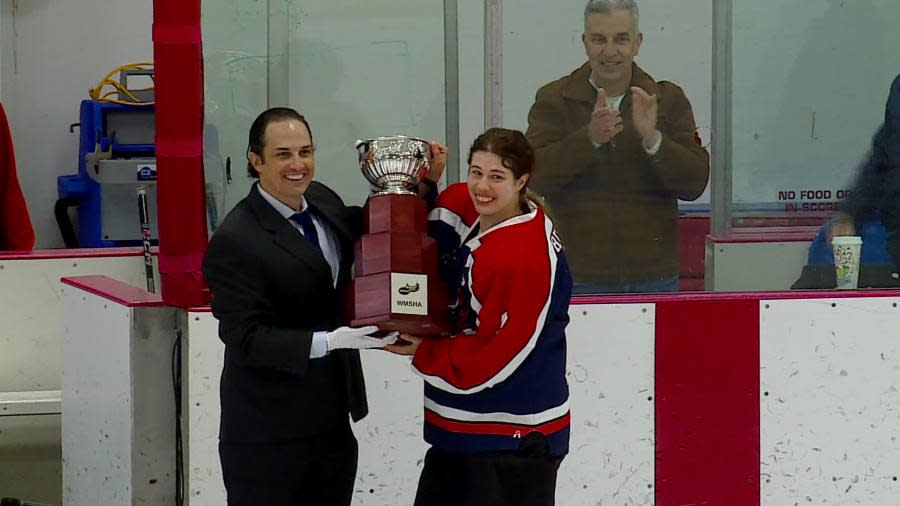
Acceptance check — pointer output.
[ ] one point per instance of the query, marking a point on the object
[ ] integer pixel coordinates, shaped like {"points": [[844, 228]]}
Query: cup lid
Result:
{"points": [[848, 240]]}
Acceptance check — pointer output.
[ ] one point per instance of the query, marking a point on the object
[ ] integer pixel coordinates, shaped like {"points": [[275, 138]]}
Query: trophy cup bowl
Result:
{"points": [[394, 165], [396, 284]]}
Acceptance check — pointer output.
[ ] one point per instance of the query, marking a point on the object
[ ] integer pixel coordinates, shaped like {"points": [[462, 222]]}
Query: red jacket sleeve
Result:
{"points": [[515, 300]]}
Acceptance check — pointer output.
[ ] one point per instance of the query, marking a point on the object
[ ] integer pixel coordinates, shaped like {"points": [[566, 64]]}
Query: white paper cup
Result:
{"points": [[846, 260]]}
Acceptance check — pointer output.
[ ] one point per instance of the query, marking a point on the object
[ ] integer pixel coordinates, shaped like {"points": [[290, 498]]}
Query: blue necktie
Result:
{"points": [[304, 219]]}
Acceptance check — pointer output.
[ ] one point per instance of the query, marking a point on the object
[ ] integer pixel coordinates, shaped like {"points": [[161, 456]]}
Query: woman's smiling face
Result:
{"points": [[494, 189]]}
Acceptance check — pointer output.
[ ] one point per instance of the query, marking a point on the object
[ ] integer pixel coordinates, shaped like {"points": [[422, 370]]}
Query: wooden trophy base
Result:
{"points": [[397, 286], [371, 303]]}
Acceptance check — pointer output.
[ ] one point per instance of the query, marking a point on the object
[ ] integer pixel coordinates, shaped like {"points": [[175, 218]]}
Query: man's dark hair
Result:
{"points": [[257, 141]]}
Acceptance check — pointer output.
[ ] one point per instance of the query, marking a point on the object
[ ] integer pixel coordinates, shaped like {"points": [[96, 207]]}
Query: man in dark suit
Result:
{"points": [[277, 267]]}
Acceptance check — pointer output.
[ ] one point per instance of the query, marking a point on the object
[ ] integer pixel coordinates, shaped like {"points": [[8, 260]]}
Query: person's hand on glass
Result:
{"points": [[438, 161], [606, 122], [841, 225], [645, 109], [406, 345]]}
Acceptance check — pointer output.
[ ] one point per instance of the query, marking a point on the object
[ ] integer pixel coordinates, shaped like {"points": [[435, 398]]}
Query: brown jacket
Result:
{"points": [[615, 205]]}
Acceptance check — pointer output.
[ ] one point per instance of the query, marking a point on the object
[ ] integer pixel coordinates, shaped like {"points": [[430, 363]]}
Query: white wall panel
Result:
{"points": [[51, 54], [31, 312]]}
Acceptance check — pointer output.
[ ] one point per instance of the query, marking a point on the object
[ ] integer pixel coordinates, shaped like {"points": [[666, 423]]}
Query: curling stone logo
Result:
{"points": [[408, 288]]}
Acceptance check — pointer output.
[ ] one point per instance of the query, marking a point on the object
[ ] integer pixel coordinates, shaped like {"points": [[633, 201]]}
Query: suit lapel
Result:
{"points": [[283, 233], [328, 212]]}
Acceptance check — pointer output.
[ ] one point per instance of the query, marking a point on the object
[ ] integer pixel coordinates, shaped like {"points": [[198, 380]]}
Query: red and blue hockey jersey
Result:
{"points": [[502, 374]]}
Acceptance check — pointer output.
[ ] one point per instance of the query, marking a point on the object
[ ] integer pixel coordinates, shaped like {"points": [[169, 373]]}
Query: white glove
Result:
{"points": [[357, 338]]}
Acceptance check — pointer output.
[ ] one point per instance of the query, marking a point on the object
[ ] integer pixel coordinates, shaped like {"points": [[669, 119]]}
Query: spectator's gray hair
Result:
{"points": [[607, 6]]}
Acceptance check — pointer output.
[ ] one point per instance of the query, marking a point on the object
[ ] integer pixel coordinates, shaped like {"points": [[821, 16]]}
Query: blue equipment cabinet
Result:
{"points": [[116, 154]]}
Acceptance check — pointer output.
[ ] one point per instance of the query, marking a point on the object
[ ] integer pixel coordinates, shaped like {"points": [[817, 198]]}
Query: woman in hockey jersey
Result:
{"points": [[496, 398]]}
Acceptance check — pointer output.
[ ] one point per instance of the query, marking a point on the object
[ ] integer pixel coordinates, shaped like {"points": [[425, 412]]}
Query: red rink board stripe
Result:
{"points": [[707, 403], [114, 290]]}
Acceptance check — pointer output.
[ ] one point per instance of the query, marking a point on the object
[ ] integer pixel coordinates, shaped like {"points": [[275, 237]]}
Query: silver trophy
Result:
{"points": [[395, 165]]}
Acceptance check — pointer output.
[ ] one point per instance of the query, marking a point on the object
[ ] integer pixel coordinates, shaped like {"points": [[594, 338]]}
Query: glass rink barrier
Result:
{"points": [[756, 150], [353, 70], [673, 151]]}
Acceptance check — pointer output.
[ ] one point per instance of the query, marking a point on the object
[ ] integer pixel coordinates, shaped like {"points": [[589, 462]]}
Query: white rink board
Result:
{"points": [[830, 422], [391, 448], [202, 356], [610, 379], [118, 410], [610, 363], [96, 400]]}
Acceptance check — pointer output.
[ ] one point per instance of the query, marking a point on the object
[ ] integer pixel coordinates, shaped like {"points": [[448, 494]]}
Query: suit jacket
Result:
{"points": [[616, 206], [271, 290]]}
